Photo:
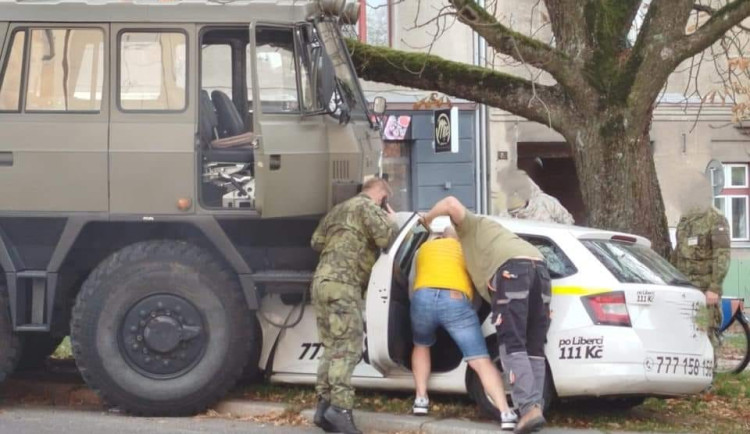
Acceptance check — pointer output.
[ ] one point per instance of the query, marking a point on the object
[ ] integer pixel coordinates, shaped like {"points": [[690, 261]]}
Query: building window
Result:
{"points": [[374, 25], [153, 71], [735, 176], [734, 209]]}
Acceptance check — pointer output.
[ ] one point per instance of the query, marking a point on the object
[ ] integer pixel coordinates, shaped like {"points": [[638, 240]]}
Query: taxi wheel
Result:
{"points": [[485, 403], [162, 328], [10, 345]]}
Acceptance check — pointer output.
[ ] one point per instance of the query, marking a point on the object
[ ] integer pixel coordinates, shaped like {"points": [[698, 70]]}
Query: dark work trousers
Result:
{"points": [[520, 310]]}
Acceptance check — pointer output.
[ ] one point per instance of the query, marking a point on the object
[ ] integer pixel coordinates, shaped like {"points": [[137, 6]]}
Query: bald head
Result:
{"points": [[377, 188]]}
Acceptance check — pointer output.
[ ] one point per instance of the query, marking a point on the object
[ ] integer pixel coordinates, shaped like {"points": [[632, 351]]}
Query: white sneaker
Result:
{"points": [[421, 406], [508, 421]]}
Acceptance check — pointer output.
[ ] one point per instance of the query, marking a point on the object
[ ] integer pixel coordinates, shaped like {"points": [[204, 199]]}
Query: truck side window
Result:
{"points": [[276, 67], [152, 71], [216, 68], [66, 70], [10, 89]]}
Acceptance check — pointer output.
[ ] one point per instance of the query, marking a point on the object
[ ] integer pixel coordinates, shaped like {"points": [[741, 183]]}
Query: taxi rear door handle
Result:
{"points": [[6, 158]]}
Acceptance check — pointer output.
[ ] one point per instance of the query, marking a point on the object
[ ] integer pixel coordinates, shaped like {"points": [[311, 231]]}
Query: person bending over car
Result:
{"points": [[442, 297], [348, 239], [517, 276]]}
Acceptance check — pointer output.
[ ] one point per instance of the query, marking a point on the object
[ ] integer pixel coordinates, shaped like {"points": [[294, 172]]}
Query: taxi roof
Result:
{"points": [[157, 11], [532, 227]]}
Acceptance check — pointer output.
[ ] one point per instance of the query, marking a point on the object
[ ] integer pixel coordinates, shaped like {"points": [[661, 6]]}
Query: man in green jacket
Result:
{"points": [[511, 274]]}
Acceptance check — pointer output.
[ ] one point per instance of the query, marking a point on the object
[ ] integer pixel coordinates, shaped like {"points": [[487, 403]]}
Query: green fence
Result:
{"points": [[737, 282]]}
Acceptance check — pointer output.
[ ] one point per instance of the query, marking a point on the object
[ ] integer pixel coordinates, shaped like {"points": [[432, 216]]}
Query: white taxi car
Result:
{"points": [[623, 322]]}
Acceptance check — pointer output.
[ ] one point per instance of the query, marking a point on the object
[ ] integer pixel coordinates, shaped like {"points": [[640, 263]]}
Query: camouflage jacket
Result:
{"points": [[348, 239], [540, 207], [702, 251]]}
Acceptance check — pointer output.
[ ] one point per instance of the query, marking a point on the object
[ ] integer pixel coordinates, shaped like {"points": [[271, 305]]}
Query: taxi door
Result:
{"points": [[388, 324]]}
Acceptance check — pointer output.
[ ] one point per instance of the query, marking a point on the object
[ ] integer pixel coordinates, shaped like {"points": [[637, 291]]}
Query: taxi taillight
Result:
{"points": [[607, 309]]}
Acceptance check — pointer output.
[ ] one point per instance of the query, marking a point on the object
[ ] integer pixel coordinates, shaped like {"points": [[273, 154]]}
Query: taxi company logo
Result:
{"points": [[580, 347], [443, 130]]}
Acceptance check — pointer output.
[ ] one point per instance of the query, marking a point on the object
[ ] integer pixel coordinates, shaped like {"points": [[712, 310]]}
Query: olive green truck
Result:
{"points": [[162, 167]]}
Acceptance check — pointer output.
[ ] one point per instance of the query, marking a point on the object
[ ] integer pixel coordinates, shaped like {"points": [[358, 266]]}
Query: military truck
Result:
{"points": [[162, 167]]}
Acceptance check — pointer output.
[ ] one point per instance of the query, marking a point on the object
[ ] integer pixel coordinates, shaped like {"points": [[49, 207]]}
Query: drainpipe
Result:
{"points": [[482, 164]]}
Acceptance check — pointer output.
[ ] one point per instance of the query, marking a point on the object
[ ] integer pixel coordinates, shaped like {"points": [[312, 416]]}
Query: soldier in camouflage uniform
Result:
{"points": [[525, 200], [348, 239], [702, 250]]}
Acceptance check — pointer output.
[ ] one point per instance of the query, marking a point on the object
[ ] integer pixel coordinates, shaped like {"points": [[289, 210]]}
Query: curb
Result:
{"points": [[371, 422]]}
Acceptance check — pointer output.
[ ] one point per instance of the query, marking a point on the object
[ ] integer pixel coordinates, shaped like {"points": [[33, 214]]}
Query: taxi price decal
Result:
{"points": [[645, 296], [679, 365], [580, 347]]}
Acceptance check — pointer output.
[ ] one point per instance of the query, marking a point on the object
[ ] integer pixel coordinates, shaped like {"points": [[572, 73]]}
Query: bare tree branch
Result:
{"points": [[543, 104], [721, 21], [521, 47]]}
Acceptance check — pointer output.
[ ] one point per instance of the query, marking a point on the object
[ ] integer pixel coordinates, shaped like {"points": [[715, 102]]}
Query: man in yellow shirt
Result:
{"points": [[511, 274], [442, 297]]}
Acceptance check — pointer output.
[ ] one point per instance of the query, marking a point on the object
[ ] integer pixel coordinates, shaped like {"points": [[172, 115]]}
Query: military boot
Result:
{"points": [[342, 420], [319, 419]]}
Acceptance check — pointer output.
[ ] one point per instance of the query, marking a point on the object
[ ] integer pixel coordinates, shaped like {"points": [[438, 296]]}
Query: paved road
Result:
{"points": [[46, 420]]}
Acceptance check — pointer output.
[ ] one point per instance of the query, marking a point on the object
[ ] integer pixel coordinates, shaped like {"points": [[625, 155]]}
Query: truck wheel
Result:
{"points": [[10, 345], [36, 349], [161, 328], [485, 403]]}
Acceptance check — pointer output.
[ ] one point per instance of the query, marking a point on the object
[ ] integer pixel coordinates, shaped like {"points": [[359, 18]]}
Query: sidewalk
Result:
{"points": [[370, 422]]}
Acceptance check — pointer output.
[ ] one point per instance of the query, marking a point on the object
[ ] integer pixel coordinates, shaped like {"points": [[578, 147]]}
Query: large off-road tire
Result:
{"points": [[10, 345], [162, 328], [36, 349]]}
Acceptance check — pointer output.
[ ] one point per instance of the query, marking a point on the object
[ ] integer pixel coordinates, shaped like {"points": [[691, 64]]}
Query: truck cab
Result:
{"points": [[162, 155]]}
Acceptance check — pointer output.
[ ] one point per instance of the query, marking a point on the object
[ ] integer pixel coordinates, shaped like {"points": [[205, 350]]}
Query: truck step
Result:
{"points": [[283, 276]]}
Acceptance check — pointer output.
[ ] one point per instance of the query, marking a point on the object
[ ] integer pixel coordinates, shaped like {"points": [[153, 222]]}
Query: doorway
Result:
{"points": [[551, 166]]}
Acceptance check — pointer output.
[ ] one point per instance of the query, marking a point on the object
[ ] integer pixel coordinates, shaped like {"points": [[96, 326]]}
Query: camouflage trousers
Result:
{"points": [[340, 328]]}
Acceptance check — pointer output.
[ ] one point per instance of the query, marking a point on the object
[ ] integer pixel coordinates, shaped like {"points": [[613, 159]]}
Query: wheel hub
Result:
{"points": [[163, 335]]}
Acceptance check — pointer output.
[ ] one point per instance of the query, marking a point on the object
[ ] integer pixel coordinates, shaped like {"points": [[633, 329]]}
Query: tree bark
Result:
{"points": [[618, 179]]}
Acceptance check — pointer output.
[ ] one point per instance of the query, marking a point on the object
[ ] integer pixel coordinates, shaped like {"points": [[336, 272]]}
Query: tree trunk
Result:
{"points": [[617, 176]]}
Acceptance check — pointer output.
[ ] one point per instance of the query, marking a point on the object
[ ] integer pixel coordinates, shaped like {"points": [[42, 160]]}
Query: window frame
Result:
{"points": [[118, 77], [727, 212], [27, 64], [362, 22], [297, 67], [24, 66], [728, 175]]}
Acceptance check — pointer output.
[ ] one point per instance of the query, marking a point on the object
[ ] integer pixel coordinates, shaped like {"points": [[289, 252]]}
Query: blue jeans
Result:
{"points": [[432, 308]]}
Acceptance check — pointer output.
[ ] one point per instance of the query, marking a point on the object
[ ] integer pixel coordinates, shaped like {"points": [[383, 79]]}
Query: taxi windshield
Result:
{"points": [[635, 263], [346, 80]]}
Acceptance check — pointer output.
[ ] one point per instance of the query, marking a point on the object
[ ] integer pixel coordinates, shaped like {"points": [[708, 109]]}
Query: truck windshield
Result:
{"points": [[346, 79], [635, 263]]}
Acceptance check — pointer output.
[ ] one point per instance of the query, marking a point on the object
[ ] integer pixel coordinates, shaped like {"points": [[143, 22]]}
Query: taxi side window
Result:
{"points": [[558, 263]]}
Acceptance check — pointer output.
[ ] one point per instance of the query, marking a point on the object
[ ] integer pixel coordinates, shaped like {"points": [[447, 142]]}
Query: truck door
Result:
{"points": [[389, 339], [291, 158], [54, 118], [152, 129]]}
